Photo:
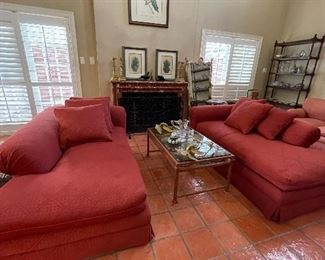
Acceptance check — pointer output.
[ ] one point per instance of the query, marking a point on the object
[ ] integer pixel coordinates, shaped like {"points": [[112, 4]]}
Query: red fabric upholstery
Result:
{"points": [[297, 112], [242, 100], [286, 166], [311, 121], [301, 134], [315, 108], [104, 175], [81, 125], [118, 115], [322, 130], [276, 120], [208, 113], [34, 148], [98, 98], [88, 102], [283, 180], [247, 116]]}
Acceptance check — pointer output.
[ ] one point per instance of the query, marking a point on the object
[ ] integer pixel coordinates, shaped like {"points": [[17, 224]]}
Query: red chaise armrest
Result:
{"points": [[208, 113], [118, 115], [298, 112]]}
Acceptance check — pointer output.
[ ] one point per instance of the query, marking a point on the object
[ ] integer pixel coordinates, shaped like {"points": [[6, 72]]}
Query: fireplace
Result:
{"points": [[144, 110]]}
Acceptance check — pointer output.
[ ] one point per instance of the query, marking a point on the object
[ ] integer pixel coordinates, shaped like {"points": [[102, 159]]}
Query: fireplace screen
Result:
{"points": [[144, 110]]}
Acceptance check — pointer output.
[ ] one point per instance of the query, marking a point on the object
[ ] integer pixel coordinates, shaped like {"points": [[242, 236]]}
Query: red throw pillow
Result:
{"points": [[245, 99], [247, 116], [81, 125], [301, 134], [87, 102], [97, 98], [274, 123]]}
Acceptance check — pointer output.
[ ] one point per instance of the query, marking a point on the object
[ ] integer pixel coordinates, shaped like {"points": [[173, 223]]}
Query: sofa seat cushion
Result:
{"points": [[286, 166], [311, 121], [92, 183]]}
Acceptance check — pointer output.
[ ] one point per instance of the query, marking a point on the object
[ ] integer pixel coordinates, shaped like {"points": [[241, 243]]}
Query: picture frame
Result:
{"points": [[166, 64], [134, 62], [149, 12]]}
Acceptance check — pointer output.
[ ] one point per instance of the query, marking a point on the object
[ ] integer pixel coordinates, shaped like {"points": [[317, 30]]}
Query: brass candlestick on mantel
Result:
{"points": [[121, 76], [114, 70]]}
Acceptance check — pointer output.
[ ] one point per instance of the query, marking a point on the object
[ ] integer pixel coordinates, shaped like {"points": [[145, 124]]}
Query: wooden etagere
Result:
{"points": [[292, 69]]}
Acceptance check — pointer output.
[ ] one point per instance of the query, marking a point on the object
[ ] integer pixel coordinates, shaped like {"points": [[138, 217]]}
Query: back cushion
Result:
{"points": [[247, 116], [89, 102], [276, 120], [301, 134], [315, 108], [245, 99], [34, 148]]}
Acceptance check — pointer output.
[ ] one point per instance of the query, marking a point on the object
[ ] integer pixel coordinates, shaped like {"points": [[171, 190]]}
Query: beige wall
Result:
{"points": [[186, 20], [304, 19], [86, 36]]}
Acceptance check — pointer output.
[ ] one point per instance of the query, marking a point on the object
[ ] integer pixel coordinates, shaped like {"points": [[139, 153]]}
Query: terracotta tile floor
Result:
{"points": [[216, 225]]}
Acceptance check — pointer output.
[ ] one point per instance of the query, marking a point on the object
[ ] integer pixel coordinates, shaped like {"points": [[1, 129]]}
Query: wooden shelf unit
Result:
{"points": [[304, 77]]}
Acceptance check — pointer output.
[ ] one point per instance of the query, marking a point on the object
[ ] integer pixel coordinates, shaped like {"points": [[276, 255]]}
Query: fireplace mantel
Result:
{"points": [[120, 86]]}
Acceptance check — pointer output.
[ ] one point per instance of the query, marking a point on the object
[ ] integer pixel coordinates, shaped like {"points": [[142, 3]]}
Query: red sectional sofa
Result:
{"points": [[283, 180], [85, 201]]}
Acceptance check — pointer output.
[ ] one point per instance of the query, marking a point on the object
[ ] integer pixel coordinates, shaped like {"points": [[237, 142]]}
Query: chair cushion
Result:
{"points": [[300, 134], [247, 116], [80, 102], [34, 148], [92, 183], [286, 166], [276, 120], [81, 125], [322, 130]]}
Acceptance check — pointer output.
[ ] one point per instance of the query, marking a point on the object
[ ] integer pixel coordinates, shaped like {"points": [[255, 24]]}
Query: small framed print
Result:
{"points": [[135, 62], [149, 12], [166, 64]]}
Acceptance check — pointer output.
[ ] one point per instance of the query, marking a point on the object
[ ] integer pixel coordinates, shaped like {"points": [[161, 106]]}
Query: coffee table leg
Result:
{"points": [[176, 187], [148, 144], [229, 175]]}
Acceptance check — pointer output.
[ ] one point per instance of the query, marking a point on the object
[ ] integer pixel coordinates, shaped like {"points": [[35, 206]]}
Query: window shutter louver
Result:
{"points": [[234, 59], [47, 51], [14, 100]]}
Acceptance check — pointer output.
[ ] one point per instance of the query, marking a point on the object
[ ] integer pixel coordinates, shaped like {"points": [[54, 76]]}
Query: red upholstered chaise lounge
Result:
{"points": [[283, 180], [90, 201]]}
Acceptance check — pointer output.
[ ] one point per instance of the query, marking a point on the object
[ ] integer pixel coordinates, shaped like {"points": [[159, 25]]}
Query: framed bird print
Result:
{"points": [[135, 62], [149, 12], [166, 64]]}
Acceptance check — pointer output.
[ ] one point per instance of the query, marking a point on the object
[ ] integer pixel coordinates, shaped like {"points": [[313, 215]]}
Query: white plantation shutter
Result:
{"points": [[234, 61], [15, 105], [38, 65]]}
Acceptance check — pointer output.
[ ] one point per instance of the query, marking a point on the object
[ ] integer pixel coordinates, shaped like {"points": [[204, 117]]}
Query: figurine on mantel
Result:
{"points": [[181, 71]]}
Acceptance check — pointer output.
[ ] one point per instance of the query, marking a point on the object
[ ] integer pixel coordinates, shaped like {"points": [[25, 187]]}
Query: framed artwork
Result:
{"points": [[166, 64], [149, 12], [135, 62]]}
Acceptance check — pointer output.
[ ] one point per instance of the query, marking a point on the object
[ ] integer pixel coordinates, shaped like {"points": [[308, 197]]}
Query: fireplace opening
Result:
{"points": [[144, 110]]}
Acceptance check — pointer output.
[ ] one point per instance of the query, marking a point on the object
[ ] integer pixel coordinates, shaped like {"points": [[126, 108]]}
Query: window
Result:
{"points": [[234, 62], [38, 63]]}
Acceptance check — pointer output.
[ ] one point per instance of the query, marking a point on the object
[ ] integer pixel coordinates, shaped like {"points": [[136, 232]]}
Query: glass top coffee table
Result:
{"points": [[194, 152]]}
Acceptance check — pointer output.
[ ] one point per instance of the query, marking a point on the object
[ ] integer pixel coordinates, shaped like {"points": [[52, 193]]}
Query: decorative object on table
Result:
{"points": [[292, 70], [4, 178], [122, 72], [166, 64], [181, 72], [115, 75], [163, 127], [134, 62], [149, 12], [199, 77]]}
